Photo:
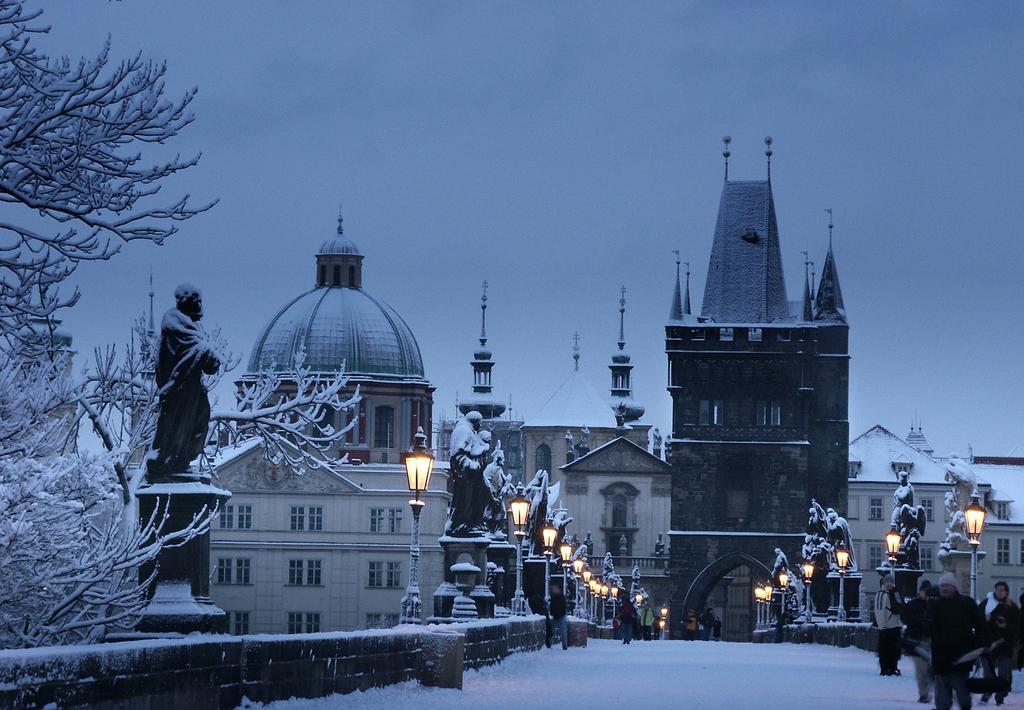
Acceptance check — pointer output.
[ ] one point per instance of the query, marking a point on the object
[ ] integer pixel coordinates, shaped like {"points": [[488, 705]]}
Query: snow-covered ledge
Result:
{"points": [[842, 634]]}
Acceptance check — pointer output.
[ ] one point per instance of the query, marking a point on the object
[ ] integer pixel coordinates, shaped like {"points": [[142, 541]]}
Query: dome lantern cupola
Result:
{"points": [[339, 264]]}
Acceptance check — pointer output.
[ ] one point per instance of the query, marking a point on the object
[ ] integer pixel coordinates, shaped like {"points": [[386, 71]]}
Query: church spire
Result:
{"points": [[686, 303], [622, 389], [828, 305], [576, 351], [482, 399], [808, 311], [676, 311]]}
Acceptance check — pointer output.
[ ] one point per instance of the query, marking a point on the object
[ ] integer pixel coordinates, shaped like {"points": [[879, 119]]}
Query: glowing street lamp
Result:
{"points": [[550, 535], [808, 568], [974, 517], [519, 506], [893, 540], [419, 464], [843, 560]]}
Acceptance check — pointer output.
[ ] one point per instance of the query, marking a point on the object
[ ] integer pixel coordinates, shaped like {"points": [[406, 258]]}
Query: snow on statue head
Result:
{"points": [[189, 301], [959, 472]]}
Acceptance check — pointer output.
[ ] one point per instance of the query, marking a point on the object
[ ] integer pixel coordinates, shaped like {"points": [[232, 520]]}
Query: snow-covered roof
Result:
{"points": [[1007, 481], [227, 454], [574, 404], [878, 448], [745, 280]]}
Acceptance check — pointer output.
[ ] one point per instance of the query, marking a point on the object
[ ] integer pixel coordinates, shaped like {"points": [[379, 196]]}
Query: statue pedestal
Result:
{"points": [[179, 598], [958, 562], [502, 554], [462, 551], [851, 595]]}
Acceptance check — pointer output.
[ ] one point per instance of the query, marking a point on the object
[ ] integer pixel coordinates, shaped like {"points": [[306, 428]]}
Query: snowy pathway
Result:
{"points": [[660, 674]]}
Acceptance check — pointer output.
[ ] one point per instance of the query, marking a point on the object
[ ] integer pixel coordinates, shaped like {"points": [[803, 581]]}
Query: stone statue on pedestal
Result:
{"points": [[963, 483], [184, 357], [838, 530], [470, 493], [909, 520], [499, 484]]}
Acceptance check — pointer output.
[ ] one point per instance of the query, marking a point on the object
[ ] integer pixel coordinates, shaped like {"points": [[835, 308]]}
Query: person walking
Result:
{"points": [[559, 621], [626, 617], [646, 615], [716, 629], [887, 618], [1002, 619], [707, 619], [956, 626], [691, 625], [915, 616]]}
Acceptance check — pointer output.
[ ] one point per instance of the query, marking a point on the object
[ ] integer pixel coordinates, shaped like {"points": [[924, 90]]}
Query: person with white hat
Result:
{"points": [[957, 627]]}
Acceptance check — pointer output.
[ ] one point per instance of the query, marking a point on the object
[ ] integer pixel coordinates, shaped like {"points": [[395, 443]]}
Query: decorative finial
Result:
{"points": [[341, 219], [483, 315], [152, 328], [686, 303], [829, 211], [622, 317], [808, 264], [768, 154], [576, 350], [726, 153]]}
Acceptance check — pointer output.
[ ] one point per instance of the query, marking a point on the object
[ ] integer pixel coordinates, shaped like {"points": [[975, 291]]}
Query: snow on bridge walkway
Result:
{"points": [[659, 674]]}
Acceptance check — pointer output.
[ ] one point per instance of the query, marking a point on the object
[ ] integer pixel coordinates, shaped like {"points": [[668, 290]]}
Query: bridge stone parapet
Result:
{"points": [[841, 634]]}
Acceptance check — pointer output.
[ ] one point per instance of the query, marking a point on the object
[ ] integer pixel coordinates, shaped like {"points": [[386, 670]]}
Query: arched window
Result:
{"points": [[337, 274], [619, 517], [384, 427], [323, 275], [352, 277], [542, 458]]}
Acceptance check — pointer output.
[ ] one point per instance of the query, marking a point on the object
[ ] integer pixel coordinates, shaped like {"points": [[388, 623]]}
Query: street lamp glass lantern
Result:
{"points": [[664, 611], [520, 508], [419, 464], [604, 591], [587, 574], [565, 550], [577, 565], [550, 533], [842, 557], [614, 589], [808, 570], [974, 516], [892, 542], [783, 579], [759, 594]]}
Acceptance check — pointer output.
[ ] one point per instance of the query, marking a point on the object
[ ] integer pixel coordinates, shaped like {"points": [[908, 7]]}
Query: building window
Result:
{"points": [[1022, 551], [712, 412], [381, 621], [853, 469], [394, 575], [242, 568], [769, 412], [376, 574], [336, 274], [755, 335], [927, 557], [697, 334], [785, 335], [1002, 550], [313, 572], [316, 517], [376, 520], [875, 555], [929, 509], [303, 622], [1002, 510], [238, 622], [298, 517], [352, 276], [725, 335], [223, 571], [875, 509], [227, 517], [384, 427], [395, 520], [542, 458], [295, 572], [323, 274], [245, 517]]}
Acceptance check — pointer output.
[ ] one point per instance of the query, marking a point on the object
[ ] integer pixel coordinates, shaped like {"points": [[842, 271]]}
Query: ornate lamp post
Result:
{"points": [[783, 586], [577, 569], [604, 601], [520, 509], [974, 516], [758, 604], [808, 568], [614, 590], [550, 533], [892, 544], [769, 591], [419, 464], [843, 560], [565, 551]]}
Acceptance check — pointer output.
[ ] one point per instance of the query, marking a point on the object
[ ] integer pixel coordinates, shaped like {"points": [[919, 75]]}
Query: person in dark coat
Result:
{"points": [[626, 617], [716, 629], [956, 627], [707, 620], [1002, 619], [559, 621], [915, 616]]}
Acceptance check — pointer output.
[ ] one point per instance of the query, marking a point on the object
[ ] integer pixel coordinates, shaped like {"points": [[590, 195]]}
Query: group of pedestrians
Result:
{"points": [[707, 626], [630, 622], [947, 635], [635, 622]]}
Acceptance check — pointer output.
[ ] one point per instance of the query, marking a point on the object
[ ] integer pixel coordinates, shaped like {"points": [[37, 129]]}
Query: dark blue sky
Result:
{"points": [[560, 150]]}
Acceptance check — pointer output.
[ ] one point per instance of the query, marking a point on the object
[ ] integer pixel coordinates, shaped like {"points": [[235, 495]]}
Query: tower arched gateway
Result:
{"points": [[759, 391]]}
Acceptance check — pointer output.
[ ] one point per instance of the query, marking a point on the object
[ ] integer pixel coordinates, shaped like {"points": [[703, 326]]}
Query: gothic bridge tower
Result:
{"points": [[759, 391]]}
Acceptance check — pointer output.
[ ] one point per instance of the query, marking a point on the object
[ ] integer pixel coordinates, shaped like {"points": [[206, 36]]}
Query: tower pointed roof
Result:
{"points": [[745, 282], [622, 401], [828, 306], [916, 439], [482, 399], [676, 311], [808, 310]]}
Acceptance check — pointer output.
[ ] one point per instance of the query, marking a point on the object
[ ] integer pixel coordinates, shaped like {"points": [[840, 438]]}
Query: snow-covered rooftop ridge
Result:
{"points": [[1007, 481], [878, 449], [745, 281], [574, 404]]}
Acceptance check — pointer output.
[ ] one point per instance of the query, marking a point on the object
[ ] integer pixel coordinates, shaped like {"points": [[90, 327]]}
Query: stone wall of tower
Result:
{"points": [[829, 430]]}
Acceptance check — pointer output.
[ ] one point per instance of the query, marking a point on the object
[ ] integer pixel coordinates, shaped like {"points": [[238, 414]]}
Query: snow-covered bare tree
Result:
{"points": [[73, 179]]}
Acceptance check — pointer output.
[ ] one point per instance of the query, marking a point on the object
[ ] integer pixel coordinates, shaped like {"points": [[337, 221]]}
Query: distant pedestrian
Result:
{"points": [[559, 621], [646, 614], [916, 617], [692, 625], [956, 627], [716, 629], [707, 620], [1002, 618], [887, 617], [626, 618]]}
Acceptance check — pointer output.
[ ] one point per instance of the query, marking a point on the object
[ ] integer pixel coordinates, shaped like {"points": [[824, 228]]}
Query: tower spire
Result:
{"points": [[576, 350], [829, 211], [686, 303], [829, 301], [676, 312], [341, 221], [483, 315], [622, 389], [768, 154], [808, 310], [726, 153], [151, 330], [482, 399], [622, 318]]}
